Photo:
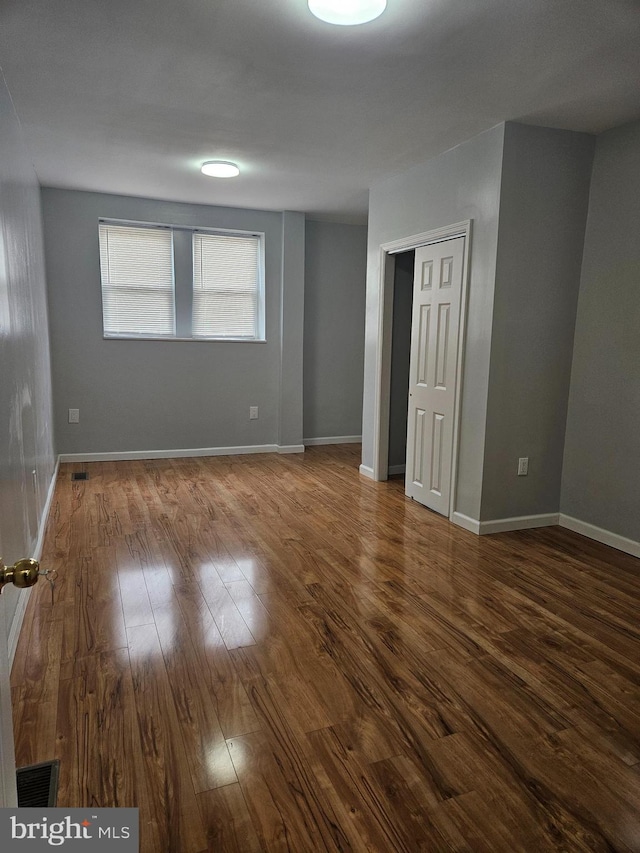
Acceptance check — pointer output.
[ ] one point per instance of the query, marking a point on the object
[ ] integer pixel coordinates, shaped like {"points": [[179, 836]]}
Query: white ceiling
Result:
{"points": [[130, 96]]}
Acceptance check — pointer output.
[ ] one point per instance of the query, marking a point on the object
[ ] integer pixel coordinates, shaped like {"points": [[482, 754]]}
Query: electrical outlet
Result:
{"points": [[74, 416], [253, 413], [523, 466]]}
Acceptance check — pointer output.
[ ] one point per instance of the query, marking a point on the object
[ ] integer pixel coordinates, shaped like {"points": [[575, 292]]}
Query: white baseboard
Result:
{"points": [[518, 522], [503, 525], [396, 469], [526, 522], [124, 455], [42, 527], [333, 439], [36, 551], [366, 471], [629, 546], [470, 524]]}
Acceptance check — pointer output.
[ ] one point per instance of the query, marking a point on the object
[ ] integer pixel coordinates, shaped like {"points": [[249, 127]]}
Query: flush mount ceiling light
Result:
{"points": [[220, 169], [347, 12]]}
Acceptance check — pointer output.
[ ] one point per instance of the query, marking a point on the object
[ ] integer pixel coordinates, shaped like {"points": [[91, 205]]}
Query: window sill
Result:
{"points": [[184, 340]]}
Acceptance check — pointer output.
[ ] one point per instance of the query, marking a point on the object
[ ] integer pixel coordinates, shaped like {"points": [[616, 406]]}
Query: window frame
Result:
{"points": [[183, 285]]}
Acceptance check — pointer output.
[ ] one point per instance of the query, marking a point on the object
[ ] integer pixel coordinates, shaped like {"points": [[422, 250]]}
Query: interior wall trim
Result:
{"points": [[124, 455], [526, 522], [332, 439], [36, 553], [503, 525], [366, 471], [470, 524], [629, 546], [518, 522]]}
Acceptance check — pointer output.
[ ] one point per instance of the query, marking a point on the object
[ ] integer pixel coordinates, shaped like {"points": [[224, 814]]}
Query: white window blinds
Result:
{"points": [[226, 285], [136, 267]]}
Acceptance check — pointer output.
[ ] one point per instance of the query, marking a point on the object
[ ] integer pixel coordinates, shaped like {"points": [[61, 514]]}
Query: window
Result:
{"points": [[225, 295], [137, 281], [179, 283]]}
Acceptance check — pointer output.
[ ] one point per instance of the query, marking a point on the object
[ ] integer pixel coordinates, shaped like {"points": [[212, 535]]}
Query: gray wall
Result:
{"points": [[400, 357], [543, 210], [291, 329], [335, 274], [463, 183], [600, 482], [164, 395], [25, 378]]}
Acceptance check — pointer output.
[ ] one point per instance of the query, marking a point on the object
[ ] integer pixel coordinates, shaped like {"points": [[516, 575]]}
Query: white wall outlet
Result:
{"points": [[74, 416], [253, 413], [523, 466]]}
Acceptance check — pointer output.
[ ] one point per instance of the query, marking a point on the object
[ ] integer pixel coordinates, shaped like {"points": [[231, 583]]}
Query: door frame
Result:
{"points": [[383, 342]]}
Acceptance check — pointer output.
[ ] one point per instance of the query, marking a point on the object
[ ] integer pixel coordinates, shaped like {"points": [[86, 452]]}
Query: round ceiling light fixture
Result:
{"points": [[347, 12], [220, 169]]}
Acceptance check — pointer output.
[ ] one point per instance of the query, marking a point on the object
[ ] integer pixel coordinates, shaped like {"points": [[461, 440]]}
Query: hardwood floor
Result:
{"points": [[271, 653]]}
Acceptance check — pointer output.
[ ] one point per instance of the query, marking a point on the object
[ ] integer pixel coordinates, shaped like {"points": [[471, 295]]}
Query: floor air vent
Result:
{"points": [[80, 475], [38, 785]]}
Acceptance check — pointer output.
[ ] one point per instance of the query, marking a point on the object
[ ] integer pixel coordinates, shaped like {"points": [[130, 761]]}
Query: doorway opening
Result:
{"points": [[400, 359], [392, 371]]}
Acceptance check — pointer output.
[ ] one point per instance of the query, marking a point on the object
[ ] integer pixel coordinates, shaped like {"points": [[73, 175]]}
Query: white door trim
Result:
{"points": [[383, 343]]}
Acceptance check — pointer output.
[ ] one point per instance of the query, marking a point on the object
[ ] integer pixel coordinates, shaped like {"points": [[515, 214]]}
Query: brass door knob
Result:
{"points": [[23, 574]]}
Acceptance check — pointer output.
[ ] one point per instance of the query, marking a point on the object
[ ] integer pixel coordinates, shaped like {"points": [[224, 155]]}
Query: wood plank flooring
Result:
{"points": [[271, 653]]}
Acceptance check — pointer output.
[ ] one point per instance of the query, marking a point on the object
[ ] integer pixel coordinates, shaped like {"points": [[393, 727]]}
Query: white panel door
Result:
{"points": [[437, 287]]}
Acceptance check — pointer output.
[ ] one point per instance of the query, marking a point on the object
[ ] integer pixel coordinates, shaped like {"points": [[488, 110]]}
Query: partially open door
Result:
{"points": [[435, 325]]}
